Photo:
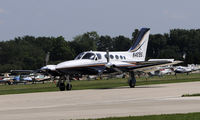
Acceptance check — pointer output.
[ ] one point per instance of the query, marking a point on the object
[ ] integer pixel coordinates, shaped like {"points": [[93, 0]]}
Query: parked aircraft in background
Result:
{"points": [[161, 71], [21, 76], [22, 79], [6, 78], [184, 69], [41, 78], [25, 76], [98, 62]]}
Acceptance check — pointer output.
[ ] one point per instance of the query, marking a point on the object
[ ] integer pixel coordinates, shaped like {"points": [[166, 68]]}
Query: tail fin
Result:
{"points": [[139, 48]]}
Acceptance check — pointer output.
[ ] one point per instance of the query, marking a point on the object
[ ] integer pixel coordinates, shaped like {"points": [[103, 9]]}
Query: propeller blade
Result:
{"points": [[117, 70], [107, 56], [47, 58], [108, 64]]}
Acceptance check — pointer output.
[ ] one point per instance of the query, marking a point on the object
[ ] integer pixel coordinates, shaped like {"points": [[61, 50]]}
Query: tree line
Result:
{"points": [[28, 52]]}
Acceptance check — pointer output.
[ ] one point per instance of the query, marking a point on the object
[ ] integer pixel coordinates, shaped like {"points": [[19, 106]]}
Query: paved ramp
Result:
{"points": [[78, 104]]}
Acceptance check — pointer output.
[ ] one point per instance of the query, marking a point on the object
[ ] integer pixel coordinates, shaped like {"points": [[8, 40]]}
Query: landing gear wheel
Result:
{"points": [[62, 86], [131, 83], [9, 83], [132, 80], [68, 87]]}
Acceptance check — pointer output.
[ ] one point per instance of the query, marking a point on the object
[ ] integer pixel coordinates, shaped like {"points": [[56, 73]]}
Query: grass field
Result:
{"points": [[188, 116], [191, 95], [97, 84]]}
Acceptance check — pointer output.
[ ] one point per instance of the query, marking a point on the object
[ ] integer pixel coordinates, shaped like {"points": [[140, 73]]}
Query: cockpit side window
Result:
{"points": [[79, 56], [90, 56]]}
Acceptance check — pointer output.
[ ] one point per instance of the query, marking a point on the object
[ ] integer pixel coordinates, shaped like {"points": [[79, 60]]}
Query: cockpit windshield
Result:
{"points": [[79, 56], [90, 56]]}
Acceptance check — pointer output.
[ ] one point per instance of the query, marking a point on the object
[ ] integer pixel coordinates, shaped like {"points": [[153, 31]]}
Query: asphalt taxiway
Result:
{"points": [[99, 103]]}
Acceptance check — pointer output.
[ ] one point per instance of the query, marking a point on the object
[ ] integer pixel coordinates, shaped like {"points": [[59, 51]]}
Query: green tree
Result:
{"points": [[134, 35], [85, 42], [61, 50], [121, 43], [104, 43]]}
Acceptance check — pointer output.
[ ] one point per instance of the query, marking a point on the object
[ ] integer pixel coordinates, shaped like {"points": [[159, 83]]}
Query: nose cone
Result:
{"points": [[49, 67]]}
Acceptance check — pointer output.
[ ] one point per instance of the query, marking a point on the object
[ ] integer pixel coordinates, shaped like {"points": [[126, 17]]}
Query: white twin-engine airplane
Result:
{"points": [[97, 63]]}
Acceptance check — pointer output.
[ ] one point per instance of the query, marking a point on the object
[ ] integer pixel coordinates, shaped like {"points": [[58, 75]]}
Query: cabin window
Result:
{"points": [[90, 56], [121, 57], [99, 56], [124, 57], [105, 56], [111, 56], [116, 56], [79, 56]]}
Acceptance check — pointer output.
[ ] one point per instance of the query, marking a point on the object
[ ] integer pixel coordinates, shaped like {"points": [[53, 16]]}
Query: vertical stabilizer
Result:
{"points": [[139, 48]]}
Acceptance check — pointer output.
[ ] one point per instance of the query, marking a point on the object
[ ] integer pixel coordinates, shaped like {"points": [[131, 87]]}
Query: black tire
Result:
{"points": [[62, 86], [68, 87], [9, 83], [131, 83]]}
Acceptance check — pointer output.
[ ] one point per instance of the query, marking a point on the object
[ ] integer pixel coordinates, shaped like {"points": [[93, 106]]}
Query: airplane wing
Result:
{"points": [[141, 66], [155, 65], [21, 71]]}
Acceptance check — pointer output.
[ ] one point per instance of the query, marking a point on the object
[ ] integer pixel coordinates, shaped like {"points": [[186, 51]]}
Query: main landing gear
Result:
{"points": [[132, 80], [64, 80]]}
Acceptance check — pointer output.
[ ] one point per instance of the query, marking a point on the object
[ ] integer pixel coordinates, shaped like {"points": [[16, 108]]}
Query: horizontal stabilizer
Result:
{"points": [[170, 60]]}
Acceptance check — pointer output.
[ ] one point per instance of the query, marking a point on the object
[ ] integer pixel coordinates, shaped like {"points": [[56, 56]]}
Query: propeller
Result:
{"points": [[47, 58], [107, 56], [108, 64]]}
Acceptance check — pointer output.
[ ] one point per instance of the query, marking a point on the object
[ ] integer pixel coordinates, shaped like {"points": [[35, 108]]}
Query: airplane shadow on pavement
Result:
{"points": [[136, 87]]}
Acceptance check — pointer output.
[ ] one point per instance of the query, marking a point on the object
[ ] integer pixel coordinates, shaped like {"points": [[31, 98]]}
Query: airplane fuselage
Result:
{"points": [[94, 62]]}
